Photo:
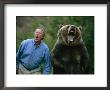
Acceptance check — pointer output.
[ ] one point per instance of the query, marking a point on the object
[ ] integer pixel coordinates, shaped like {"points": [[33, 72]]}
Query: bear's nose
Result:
{"points": [[72, 27], [72, 30]]}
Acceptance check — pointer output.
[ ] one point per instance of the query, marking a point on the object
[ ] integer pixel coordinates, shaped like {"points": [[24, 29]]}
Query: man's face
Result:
{"points": [[38, 35]]}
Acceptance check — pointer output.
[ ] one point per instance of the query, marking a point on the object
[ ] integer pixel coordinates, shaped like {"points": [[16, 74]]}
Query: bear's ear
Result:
{"points": [[80, 27], [60, 25]]}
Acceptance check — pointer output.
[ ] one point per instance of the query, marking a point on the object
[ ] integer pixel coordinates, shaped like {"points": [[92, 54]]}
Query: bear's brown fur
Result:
{"points": [[69, 54]]}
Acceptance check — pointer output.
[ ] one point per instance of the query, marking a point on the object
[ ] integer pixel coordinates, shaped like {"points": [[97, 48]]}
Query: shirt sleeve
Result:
{"points": [[47, 62], [18, 55]]}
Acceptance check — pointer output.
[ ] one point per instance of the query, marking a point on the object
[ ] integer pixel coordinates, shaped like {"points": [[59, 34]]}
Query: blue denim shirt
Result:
{"points": [[30, 55]]}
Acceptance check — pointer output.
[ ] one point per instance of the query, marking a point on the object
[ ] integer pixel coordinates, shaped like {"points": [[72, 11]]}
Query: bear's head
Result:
{"points": [[69, 35]]}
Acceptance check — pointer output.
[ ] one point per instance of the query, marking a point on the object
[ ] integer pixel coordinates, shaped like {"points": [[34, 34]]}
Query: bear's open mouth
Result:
{"points": [[71, 38], [71, 35]]}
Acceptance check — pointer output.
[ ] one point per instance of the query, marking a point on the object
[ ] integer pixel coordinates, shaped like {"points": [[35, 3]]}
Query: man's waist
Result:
{"points": [[23, 70], [30, 67]]}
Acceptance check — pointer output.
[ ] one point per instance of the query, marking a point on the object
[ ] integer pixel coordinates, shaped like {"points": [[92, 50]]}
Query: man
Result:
{"points": [[33, 55]]}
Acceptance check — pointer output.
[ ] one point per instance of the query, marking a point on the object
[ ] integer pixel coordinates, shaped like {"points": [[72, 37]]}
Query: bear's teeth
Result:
{"points": [[70, 38]]}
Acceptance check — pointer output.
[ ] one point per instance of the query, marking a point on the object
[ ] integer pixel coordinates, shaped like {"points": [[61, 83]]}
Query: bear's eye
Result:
{"points": [[64, 30], [67, 27]]}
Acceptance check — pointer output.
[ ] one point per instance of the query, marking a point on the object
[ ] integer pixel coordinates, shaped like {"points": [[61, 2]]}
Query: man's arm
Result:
{"points": [[18, 55], [47, 62]]}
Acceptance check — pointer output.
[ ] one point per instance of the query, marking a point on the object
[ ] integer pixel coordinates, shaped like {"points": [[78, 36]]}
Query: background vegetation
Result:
{"points": [[26, 25]]}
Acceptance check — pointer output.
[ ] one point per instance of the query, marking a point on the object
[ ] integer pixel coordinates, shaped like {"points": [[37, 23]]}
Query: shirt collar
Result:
{"points": [[35, 43]]}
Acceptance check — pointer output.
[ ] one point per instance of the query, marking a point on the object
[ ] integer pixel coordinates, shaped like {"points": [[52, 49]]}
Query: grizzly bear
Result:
{"points": [[69, 54]]}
